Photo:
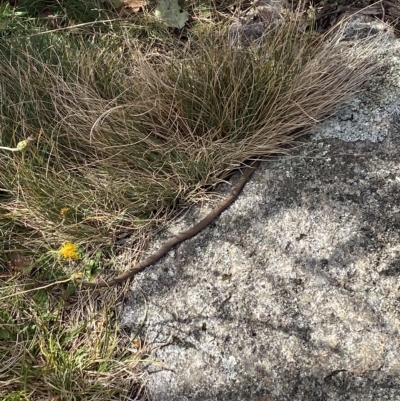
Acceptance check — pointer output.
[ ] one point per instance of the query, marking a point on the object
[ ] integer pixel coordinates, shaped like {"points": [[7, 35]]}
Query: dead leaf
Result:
{"points": [[171, 13], [134, 5], [17, 262]]}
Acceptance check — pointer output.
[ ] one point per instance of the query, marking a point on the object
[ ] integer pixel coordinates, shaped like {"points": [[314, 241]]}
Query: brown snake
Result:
{"points": [[184, 235]]}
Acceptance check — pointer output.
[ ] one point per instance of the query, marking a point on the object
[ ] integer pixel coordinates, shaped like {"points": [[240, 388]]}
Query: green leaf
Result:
{"points": [[41, 297], [4, 334], [170, 12]]}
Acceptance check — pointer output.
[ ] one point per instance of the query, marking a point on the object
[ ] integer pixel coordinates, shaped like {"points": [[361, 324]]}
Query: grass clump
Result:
{"points": [[124, 136], [126, 132]]}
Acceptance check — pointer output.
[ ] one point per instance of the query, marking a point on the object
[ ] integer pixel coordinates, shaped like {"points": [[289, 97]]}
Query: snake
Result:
{"points": [[180, 237]]}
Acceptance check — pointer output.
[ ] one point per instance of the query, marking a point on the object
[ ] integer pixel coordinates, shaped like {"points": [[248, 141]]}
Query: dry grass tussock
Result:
{"points": [[125, 135]]}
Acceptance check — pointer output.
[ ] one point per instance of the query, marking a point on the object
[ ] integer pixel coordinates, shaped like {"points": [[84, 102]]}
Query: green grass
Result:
{"points": [[54, 345], [68, 11], [131, 124]]}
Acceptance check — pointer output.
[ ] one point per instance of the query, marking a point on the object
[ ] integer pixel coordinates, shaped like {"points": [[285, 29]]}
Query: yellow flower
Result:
{"points": [[64, 211], [69, 251]]}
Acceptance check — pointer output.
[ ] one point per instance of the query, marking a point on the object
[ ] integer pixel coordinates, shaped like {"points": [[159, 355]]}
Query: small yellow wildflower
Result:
{"points": [[64, 211], [69, 251]]}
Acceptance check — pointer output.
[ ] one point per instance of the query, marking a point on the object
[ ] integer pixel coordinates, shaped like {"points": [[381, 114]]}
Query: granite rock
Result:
{"points": [[294, 292]]}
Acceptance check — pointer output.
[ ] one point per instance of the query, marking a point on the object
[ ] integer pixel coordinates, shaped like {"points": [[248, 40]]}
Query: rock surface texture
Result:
{"points": [[294, 292]]}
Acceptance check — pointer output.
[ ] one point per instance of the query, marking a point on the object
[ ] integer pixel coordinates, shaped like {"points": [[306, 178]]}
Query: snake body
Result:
{"points": [[182, 236]]}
